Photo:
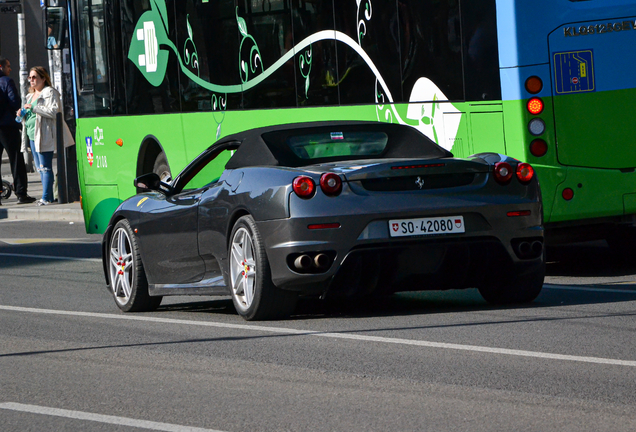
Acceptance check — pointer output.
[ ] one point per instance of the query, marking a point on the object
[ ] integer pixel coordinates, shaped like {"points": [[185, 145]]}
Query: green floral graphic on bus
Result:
{"points": [[304, 63], [190, 49], [150, 50], [150, 34]]}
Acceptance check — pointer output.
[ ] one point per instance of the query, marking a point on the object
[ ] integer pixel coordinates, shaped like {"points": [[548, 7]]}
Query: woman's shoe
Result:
{"points": [[43, 203]]}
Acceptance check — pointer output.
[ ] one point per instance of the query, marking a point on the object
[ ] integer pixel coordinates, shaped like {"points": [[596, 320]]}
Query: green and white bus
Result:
{"points": [[549, 82]]}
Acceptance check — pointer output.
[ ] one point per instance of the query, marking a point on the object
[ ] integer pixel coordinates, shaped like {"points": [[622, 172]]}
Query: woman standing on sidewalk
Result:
{"points": [[43, 104]]}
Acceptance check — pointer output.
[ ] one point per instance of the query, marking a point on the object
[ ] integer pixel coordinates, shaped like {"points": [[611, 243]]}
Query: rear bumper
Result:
{"points": [[362, 250]]}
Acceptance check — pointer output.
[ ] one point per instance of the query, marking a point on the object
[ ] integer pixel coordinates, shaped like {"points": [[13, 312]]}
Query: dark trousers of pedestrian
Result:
{"points": [[11, 140]]}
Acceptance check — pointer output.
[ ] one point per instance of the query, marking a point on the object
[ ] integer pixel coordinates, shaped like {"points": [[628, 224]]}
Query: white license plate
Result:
{"points": [[427, 226]]}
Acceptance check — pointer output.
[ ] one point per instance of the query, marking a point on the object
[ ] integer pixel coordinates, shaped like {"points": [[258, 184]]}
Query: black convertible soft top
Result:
{"points": [[269, 146]]}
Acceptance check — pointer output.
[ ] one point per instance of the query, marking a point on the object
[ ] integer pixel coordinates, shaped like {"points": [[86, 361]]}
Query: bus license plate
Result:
{"points": [[427, 226]]}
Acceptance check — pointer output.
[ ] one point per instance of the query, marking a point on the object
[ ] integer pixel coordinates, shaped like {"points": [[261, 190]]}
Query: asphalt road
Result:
{"points": [[434, 361]]}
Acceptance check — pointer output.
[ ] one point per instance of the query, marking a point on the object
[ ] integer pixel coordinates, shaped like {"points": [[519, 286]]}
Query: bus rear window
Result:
{"points": [[337, 144]]}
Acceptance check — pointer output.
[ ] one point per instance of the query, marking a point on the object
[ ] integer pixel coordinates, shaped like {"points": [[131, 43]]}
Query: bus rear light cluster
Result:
{"points": [[503, 172], [305, 187], [536, 126]]}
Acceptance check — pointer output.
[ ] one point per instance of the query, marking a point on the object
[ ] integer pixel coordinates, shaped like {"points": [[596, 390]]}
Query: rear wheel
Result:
{"points": [[254, 295], [126, 272], [519, 288]]}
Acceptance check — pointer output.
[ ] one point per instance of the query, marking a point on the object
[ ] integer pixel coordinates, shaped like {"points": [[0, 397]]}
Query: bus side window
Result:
{"points": [[93, 85], [481, 54]]}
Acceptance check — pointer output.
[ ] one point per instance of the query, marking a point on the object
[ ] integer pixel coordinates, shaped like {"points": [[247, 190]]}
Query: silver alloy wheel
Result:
{"points": [[121, 266], [243, 268]]}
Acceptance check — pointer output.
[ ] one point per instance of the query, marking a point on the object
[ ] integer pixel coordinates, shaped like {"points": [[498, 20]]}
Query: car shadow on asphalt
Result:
{"points": [[589, 259], [598, 272]]}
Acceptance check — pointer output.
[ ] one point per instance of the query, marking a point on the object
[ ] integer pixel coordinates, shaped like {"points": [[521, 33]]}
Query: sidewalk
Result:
{"points": [[11, 210]]}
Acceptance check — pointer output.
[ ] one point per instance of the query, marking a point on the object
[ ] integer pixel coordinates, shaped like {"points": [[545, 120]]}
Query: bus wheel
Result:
{"points": [[127, 277], [161, 167]]}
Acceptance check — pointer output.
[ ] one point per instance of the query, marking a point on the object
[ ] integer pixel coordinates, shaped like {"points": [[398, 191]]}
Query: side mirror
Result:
{"points": [[152, 182]]}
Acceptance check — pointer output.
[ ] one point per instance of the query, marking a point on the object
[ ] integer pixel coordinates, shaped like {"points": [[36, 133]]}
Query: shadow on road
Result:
{"points": [[590, 259]]}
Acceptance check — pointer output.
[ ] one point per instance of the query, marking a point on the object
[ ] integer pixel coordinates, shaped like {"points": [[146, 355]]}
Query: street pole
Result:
{"points": [[24, 86]]}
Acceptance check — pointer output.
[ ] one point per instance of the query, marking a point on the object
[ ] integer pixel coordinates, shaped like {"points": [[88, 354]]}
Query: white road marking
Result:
{"points": [[345, 336], [51, 257], [81, 415], [601, 290]]}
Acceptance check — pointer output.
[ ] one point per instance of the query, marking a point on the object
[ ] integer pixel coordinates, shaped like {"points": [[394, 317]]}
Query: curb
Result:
{"points": [[40, 214]]}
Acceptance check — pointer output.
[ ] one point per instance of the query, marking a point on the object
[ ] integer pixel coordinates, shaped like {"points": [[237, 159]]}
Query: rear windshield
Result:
{"points": [[337, 144]]}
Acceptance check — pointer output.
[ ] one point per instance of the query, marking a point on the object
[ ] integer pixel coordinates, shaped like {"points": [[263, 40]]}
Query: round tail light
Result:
{"points": [[534, 85], [331, 184], [525, 172], [535, 106], [538, 148], [304, 186], [536, 126], [503, 172]]}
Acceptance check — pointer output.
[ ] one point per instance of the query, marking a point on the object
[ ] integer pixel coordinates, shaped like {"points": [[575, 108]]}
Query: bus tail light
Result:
{"points": [[503, 172], [331, 184], [567, 194], [304, 186], [538, 148], [525, 172], [536, 126], [535, 106], [534, 85]]}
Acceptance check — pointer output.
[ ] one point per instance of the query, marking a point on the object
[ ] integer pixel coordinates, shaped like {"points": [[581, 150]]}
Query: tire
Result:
{"points": [[514, 289], [6, 189], [161, 168], [253, 293], [128, 282]]}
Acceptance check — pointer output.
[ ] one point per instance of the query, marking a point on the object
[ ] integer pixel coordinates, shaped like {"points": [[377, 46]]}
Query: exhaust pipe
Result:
{"points": [[524, 248], [322, 261], [303, 262], [537, 248]]}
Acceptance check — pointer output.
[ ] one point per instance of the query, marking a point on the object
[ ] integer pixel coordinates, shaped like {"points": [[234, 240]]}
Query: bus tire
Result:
{"points": [[126, 275], [161, 167]]}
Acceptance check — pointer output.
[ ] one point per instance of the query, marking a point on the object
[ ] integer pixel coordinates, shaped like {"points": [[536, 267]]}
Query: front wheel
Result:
{"points": [[127, 278], [253, 293]]}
